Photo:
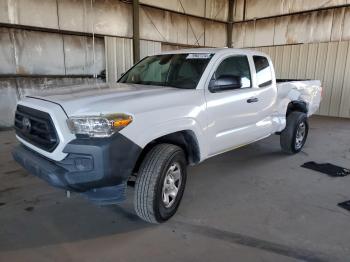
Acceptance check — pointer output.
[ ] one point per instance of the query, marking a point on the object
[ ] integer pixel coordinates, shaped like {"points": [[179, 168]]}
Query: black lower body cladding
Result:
{"points": [[91, 163]]}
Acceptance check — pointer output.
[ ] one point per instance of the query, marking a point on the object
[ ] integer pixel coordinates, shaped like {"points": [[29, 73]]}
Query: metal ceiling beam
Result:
{"points": [[230, 23], [136, 29]]}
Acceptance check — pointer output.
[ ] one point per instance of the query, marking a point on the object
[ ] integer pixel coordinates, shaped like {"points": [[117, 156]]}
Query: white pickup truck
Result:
{"points": [[168, 111]]}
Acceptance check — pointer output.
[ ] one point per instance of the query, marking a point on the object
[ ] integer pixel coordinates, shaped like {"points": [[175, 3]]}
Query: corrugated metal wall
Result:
{"points": [[149, 48], [104, 17], [251, 9], [46, 44], [25, 52], [213, 9], [165, 26], [119, 57], [318, 26], [306, 39], [14, 88], [328, 62]]}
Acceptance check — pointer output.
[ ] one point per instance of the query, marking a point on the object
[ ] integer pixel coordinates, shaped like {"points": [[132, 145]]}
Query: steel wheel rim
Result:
{"points": [[299, 138], [171, 185]]}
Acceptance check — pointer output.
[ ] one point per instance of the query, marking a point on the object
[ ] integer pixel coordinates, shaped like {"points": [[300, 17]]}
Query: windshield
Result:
{"points": [[175, 70]]}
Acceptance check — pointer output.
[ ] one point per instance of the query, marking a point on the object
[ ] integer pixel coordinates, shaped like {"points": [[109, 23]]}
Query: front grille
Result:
{"points": [[36, 127]]}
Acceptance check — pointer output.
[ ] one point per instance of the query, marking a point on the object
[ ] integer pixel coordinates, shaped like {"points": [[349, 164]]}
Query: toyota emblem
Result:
{"points": [[26, 124]]}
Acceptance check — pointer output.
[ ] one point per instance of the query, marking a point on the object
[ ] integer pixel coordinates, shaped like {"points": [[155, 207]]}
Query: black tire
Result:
{"points": [[148, 198], [288, 138]]}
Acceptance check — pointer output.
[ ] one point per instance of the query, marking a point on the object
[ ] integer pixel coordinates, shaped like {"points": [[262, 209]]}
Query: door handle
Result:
{"points": [[252, 100]]}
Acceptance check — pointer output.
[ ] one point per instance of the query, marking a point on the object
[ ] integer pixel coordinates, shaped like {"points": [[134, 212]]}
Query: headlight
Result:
{"points": [[98, 126]]}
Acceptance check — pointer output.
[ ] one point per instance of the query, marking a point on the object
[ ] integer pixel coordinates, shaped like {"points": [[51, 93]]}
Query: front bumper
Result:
{"points": [[91, 163]]}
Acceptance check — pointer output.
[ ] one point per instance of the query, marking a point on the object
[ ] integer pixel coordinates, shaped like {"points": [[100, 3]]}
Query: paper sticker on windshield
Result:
{"points": [[198, 56]]}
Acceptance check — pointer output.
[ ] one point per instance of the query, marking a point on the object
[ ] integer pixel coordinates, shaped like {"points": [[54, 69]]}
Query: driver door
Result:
{"points": [[232, 114]]}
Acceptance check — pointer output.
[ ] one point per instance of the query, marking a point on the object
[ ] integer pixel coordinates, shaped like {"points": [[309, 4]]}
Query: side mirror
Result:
{"points": [[225, 82]]}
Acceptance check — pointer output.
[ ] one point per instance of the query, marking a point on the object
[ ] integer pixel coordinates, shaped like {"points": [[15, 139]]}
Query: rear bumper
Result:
{"points": [[90, 164]]}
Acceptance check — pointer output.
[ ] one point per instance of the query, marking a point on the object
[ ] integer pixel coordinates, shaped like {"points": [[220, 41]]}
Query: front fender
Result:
{"points": [[154, 131]]}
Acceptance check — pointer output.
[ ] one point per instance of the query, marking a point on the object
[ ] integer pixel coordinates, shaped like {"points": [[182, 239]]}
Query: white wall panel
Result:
{"points": [[29, 12], [213, 9], [346, 25], [149, 48], [7, 52], [81, 57], [322, 49], [302, 61], [345, 95], [287, 53], [311, 59], [264, 32], [318, 26], [279, 61], [238, 10], [260, 9], [328, 77], [338, 78], [217, 9], [165, 26], [215, 34], [39, 53], [119, 57], [26, 52], [8, 99], [294, 62], [104, 16]]}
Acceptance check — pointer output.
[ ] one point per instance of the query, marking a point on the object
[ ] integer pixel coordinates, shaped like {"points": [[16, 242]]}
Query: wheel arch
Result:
{"points": [[299, 106], [186, 139]]}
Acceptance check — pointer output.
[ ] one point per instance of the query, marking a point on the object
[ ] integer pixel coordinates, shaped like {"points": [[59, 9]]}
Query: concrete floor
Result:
{"points": [[251, 204]]}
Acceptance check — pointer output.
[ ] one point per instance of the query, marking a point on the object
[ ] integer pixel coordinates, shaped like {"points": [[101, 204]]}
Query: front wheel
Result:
{"points": [[160, 183], [293, 137]]}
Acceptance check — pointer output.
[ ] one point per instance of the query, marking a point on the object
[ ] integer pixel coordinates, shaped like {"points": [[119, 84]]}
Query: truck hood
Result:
{"points": [[107, 98]]}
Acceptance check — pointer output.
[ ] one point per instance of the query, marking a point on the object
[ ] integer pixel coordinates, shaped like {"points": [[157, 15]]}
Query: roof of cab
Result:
{"points": [[215, 51]]}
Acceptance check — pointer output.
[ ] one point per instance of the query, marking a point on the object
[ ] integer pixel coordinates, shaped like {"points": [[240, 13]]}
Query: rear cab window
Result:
{"points": [[263, 71]]}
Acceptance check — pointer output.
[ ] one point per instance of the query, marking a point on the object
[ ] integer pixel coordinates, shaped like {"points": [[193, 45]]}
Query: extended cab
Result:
{"points": [[168, 111]]}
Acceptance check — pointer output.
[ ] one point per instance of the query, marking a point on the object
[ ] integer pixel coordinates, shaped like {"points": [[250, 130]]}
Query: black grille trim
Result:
{"points": [[42, 133]]}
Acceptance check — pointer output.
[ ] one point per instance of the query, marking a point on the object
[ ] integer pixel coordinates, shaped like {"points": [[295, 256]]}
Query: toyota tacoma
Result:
{"points": [[168, 111]]}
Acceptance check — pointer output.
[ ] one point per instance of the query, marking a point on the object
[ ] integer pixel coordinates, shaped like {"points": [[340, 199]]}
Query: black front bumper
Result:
{"points": [[91, 163]]}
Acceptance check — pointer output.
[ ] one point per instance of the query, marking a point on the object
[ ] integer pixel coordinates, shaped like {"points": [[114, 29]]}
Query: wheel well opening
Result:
{"points": [[299, 106], [185, 139]]}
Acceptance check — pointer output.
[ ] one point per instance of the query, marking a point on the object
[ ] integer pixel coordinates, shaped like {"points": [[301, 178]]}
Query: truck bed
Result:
{"points": [[309, 91]]}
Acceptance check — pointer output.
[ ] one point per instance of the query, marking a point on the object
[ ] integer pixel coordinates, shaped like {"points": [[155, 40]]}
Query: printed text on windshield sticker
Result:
{"points": [[198, 56]]}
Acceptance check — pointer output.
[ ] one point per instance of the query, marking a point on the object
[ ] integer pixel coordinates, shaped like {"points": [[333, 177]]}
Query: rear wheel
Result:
{"points": [[294, 136], [160, 183]]}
